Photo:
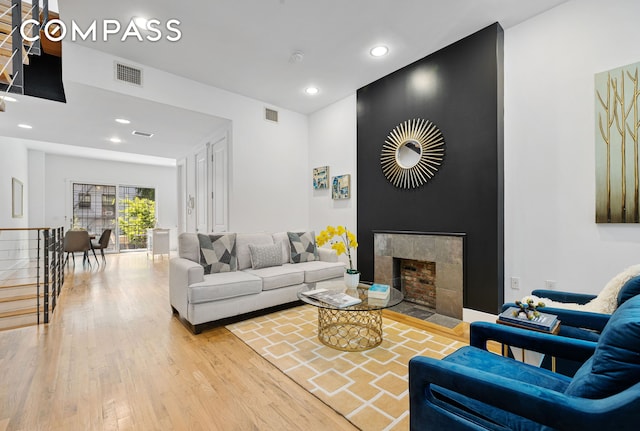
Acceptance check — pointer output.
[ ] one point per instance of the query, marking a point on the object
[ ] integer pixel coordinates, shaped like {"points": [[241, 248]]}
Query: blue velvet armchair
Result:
{"points": [[583, 325], [474, 389]]}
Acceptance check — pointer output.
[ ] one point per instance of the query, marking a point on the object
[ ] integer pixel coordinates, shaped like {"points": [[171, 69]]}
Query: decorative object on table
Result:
{"points": [[16, 198], [342, 241], [333, 298], [527, 308], [321, 177], [412, 153], [616, 104], [379, 291], [341, 187]]}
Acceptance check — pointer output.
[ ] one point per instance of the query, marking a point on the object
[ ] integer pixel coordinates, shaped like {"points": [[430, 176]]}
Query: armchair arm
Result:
{"points": [[544, 406], [579, 319], [562, 347], [554, 295]]}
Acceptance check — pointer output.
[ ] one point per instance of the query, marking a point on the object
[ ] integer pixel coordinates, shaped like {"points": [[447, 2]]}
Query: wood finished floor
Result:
{"points": [[115, 358]]}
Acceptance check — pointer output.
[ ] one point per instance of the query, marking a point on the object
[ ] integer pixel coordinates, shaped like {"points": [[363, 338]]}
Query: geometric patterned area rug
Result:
{"points": [[370, 388]]}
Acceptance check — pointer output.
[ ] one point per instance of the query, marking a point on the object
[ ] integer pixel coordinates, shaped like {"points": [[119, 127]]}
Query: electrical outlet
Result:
{"points": [[550, 284], [515, 283]]}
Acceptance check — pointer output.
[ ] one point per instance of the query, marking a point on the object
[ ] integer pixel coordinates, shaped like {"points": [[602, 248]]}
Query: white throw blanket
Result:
{"points": [[607, 300]]}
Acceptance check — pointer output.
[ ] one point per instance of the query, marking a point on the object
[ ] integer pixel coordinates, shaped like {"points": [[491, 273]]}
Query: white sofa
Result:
{"points": [[200, 298]]}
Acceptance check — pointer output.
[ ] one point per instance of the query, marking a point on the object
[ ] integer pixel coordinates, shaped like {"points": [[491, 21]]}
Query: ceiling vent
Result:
{"points": [[143, 134], [128, 74], [271, 115]]}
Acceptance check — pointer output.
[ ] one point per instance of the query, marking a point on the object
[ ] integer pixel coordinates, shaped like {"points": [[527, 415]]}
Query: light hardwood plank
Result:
{"points": [[114, 357]]}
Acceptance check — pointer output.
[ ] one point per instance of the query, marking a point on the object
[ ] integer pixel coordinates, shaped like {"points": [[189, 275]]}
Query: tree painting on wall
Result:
{"points": [[617, 125]]}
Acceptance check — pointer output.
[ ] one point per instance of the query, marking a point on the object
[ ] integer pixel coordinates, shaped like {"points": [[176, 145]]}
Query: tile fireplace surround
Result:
{"points": [[446, 250]]}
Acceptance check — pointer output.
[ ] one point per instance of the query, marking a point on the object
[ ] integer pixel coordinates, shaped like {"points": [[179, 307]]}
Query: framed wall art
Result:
{"points": [[321, 177], [617, 132], [341, 187], [17, 207]]}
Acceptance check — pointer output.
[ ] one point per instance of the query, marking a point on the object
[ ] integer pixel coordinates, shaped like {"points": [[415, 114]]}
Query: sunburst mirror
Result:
{"points": [[412, 153]]}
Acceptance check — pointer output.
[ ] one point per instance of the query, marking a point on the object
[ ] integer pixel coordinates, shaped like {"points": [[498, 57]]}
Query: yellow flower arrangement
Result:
{"points": [[341, 240]]}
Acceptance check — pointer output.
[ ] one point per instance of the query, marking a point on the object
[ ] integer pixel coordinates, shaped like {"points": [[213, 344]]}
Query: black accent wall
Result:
{"points": [[460, 89]]}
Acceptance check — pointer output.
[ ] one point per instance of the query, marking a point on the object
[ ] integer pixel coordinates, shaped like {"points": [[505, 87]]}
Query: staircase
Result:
{"points": [[14, 51], [31, 275]]}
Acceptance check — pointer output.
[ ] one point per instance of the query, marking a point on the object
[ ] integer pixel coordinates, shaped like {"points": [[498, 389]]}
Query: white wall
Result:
{"points": [[550, 229], [60, 171], [13, 164], [332, 142], [268, 161]]}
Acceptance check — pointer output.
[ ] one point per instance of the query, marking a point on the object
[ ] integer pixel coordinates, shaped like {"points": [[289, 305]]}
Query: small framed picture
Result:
{"points": [[321, 177], [341, 187], [17, 204]]}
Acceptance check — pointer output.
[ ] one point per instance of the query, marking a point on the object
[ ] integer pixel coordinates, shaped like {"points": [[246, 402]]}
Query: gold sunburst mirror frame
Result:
{"points": [[412, 153]]}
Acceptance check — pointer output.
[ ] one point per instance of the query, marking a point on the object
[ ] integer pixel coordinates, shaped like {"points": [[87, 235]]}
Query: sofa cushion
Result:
{"points": [[242, 246], [224, 285], [283, 238], [264, 256], [189, 247], [630, 289], [303, 246], [319, 270], [278, 276], [217, 252], [615, 364]]}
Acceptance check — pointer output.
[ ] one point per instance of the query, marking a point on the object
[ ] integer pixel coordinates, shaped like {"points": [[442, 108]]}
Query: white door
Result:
{"points": [[220, 185], [201, 192]]}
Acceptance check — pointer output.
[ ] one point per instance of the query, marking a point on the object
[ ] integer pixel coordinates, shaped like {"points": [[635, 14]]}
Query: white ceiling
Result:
{"points": [[87, 120], [245, 46]]}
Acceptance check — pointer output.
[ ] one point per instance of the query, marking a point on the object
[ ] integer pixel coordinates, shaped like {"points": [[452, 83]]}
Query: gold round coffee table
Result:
{"points": [[354, 328]]}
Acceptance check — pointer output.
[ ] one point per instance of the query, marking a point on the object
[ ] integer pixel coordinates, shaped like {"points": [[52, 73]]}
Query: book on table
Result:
{"points": [[543, 322], [333, 298], [379, 291]]}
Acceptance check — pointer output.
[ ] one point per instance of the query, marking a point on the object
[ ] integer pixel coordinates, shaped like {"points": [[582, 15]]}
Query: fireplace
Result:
{"points": [[417, 281], [431, 264]]}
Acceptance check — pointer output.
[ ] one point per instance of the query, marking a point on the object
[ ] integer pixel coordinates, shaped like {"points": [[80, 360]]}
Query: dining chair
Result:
{"points": [[77, 241], [101, 244]]}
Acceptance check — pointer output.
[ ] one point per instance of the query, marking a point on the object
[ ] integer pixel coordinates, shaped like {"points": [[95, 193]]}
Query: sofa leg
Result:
{"points": [[173, 310], [197, 329]]}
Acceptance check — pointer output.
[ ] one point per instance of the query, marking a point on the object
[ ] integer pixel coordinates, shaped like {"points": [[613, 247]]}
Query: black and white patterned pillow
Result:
{"points": [[266, 255], [218, 252], [303, 246]]}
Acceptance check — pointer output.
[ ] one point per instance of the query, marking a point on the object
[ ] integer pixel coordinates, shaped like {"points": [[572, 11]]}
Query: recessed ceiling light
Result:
{"points": [[379, 51], [122, 121], [115, 140], [311, 90], [25, 126], [141, 22], [8, 99]]}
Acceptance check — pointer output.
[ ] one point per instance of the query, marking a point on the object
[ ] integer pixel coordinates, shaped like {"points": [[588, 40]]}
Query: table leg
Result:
{"points": [[351, 331]]}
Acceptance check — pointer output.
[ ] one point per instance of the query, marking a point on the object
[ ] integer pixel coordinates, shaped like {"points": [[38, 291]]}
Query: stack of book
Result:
{"points": [[543, 322], [379, 291]]}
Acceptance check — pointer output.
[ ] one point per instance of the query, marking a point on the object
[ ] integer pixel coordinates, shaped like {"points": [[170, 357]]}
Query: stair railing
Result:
{"points": [[16, 84], [33, 257]]}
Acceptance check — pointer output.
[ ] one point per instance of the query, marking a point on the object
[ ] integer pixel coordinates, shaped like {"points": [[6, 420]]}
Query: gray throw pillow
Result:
{"points": [[264, 256], [218, 252], [303, 246]]}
